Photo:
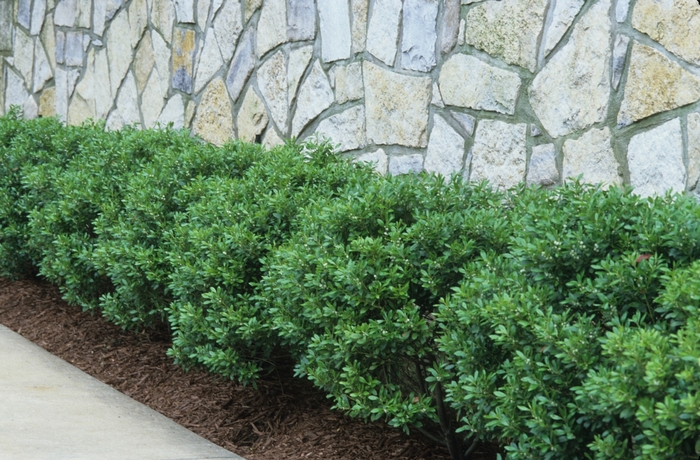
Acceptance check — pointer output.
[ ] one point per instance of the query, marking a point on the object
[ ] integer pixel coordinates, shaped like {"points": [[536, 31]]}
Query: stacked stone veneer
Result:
{"points": [[509, 90]]}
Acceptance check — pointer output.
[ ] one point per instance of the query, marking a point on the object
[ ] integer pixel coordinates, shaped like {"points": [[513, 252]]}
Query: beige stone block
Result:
{"points": [[184, 50], [591, 156], [214, 119], [673, 23], [693, 149], [499, 154], [348, 83], [273, 85], [47, 102], [252, 117], [143, 62]]}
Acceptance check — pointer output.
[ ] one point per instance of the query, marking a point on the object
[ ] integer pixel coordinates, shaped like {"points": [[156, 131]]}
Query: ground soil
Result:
{"points": [[284, 418]]}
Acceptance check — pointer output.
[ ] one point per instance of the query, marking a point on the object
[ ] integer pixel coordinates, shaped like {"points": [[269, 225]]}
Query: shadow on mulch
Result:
{"points": [[285, 418]]}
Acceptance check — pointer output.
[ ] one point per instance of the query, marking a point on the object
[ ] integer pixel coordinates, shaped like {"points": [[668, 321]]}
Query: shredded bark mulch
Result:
{"points": [[285, 418]]}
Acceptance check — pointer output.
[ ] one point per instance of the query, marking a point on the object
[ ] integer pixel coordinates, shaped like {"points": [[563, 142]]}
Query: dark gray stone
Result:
{"points": [[301, 20], [242, 65], [60, 47], [182, 80], [450, 25], [5, 26]]}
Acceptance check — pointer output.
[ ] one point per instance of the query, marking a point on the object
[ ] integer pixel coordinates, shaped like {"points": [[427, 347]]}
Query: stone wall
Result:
{"points": [[509, 90]]}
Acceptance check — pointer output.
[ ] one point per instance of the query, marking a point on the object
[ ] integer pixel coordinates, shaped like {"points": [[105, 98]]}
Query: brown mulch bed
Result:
{"points": [[285, 418]]}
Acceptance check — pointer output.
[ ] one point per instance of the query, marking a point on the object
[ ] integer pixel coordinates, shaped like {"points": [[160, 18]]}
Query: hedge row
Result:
{"points": [[560, 324]]}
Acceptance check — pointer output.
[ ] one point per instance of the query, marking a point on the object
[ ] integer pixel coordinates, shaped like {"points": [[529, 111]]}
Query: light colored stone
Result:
{"points": [[271, 31], [461, 33], [162, 59], [301, 20], [378, 158], [99, 16], [693, 149], [138, 20], [436, 98], [498, 154], [619, 58], [189, 113], [272, 83], [82, 105], [487, 88], [203, 7], [112, 7], [466, 121], [162, 18], [24, 54], [449, 25], [542, 169], [143, 63], [445, 155], [346, 129], [508, 29], [251, 6], [655, 160], [66, 13], [173, 112], [299, 59], [396, 107], [242, 65], [42, 67], [315, 96], [674, 24], [119, 49], [15, 93], [621, 9], [591, 156], [563, 16], [84, 14], [360, 9], [348, 83], [655, 84], [209, 61], [2, 85], [271, 139], [572, 91], [31, 108], [213, 121], [252, 117], [228, 26], [65, 84], [127, 111], [152, 100], [47, 102], [406, 164], [60, 47], [24, 13], [419, 35], [48, 38], [184, 10], [184, 51], [383, 30], [6, 13], [535, 131], [336, 40], [38, 14]]}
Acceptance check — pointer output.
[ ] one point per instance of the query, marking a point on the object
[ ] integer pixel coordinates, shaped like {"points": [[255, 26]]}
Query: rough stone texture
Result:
{"points": [[47, 102], [348, 83], [535, 131], [572, 91], [162, 17], [445, 153], [461, 33], [271, 31], [449, 25], [406, 164], [498, 154], [252, 117], [378, 158], [82, 104], [346, 129], [301, 20], [152, 100], [251, 6], [24, 54], [213, 121], [15, 93], [127, 111], [298, 62], [48, 38], [99, 15], [655, 160], [203, 7], [138, 20], [655, 84], [31, 108], [621, 9], [65, 83], [272, 82], [360, 9], [242, 65], [184, 50], [436, 98], [112, 6], [466, 121], [42, 68], [119, 49], [674, 24], [591, 156], [315, 96], [6, 28], [38, 14], [487, 88], [228, 27], [66, 13], [184, 9], [562, 17], [336, 39], [189, 113], [271, 139], [542, 169], [209, 61], [419, 35], [162, 58], [383, 30], [84, 14], [24, 13], [508, 29], [619, 58], [173, 112], [143, 63], [693, 149], [397, 107]]}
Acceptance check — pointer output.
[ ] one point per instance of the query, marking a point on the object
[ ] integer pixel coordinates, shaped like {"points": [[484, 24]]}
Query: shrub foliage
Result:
{"points": [[559, 324]]}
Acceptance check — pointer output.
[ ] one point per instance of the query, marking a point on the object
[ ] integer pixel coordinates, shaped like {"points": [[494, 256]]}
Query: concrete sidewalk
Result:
{"points": [[52, 410]]}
